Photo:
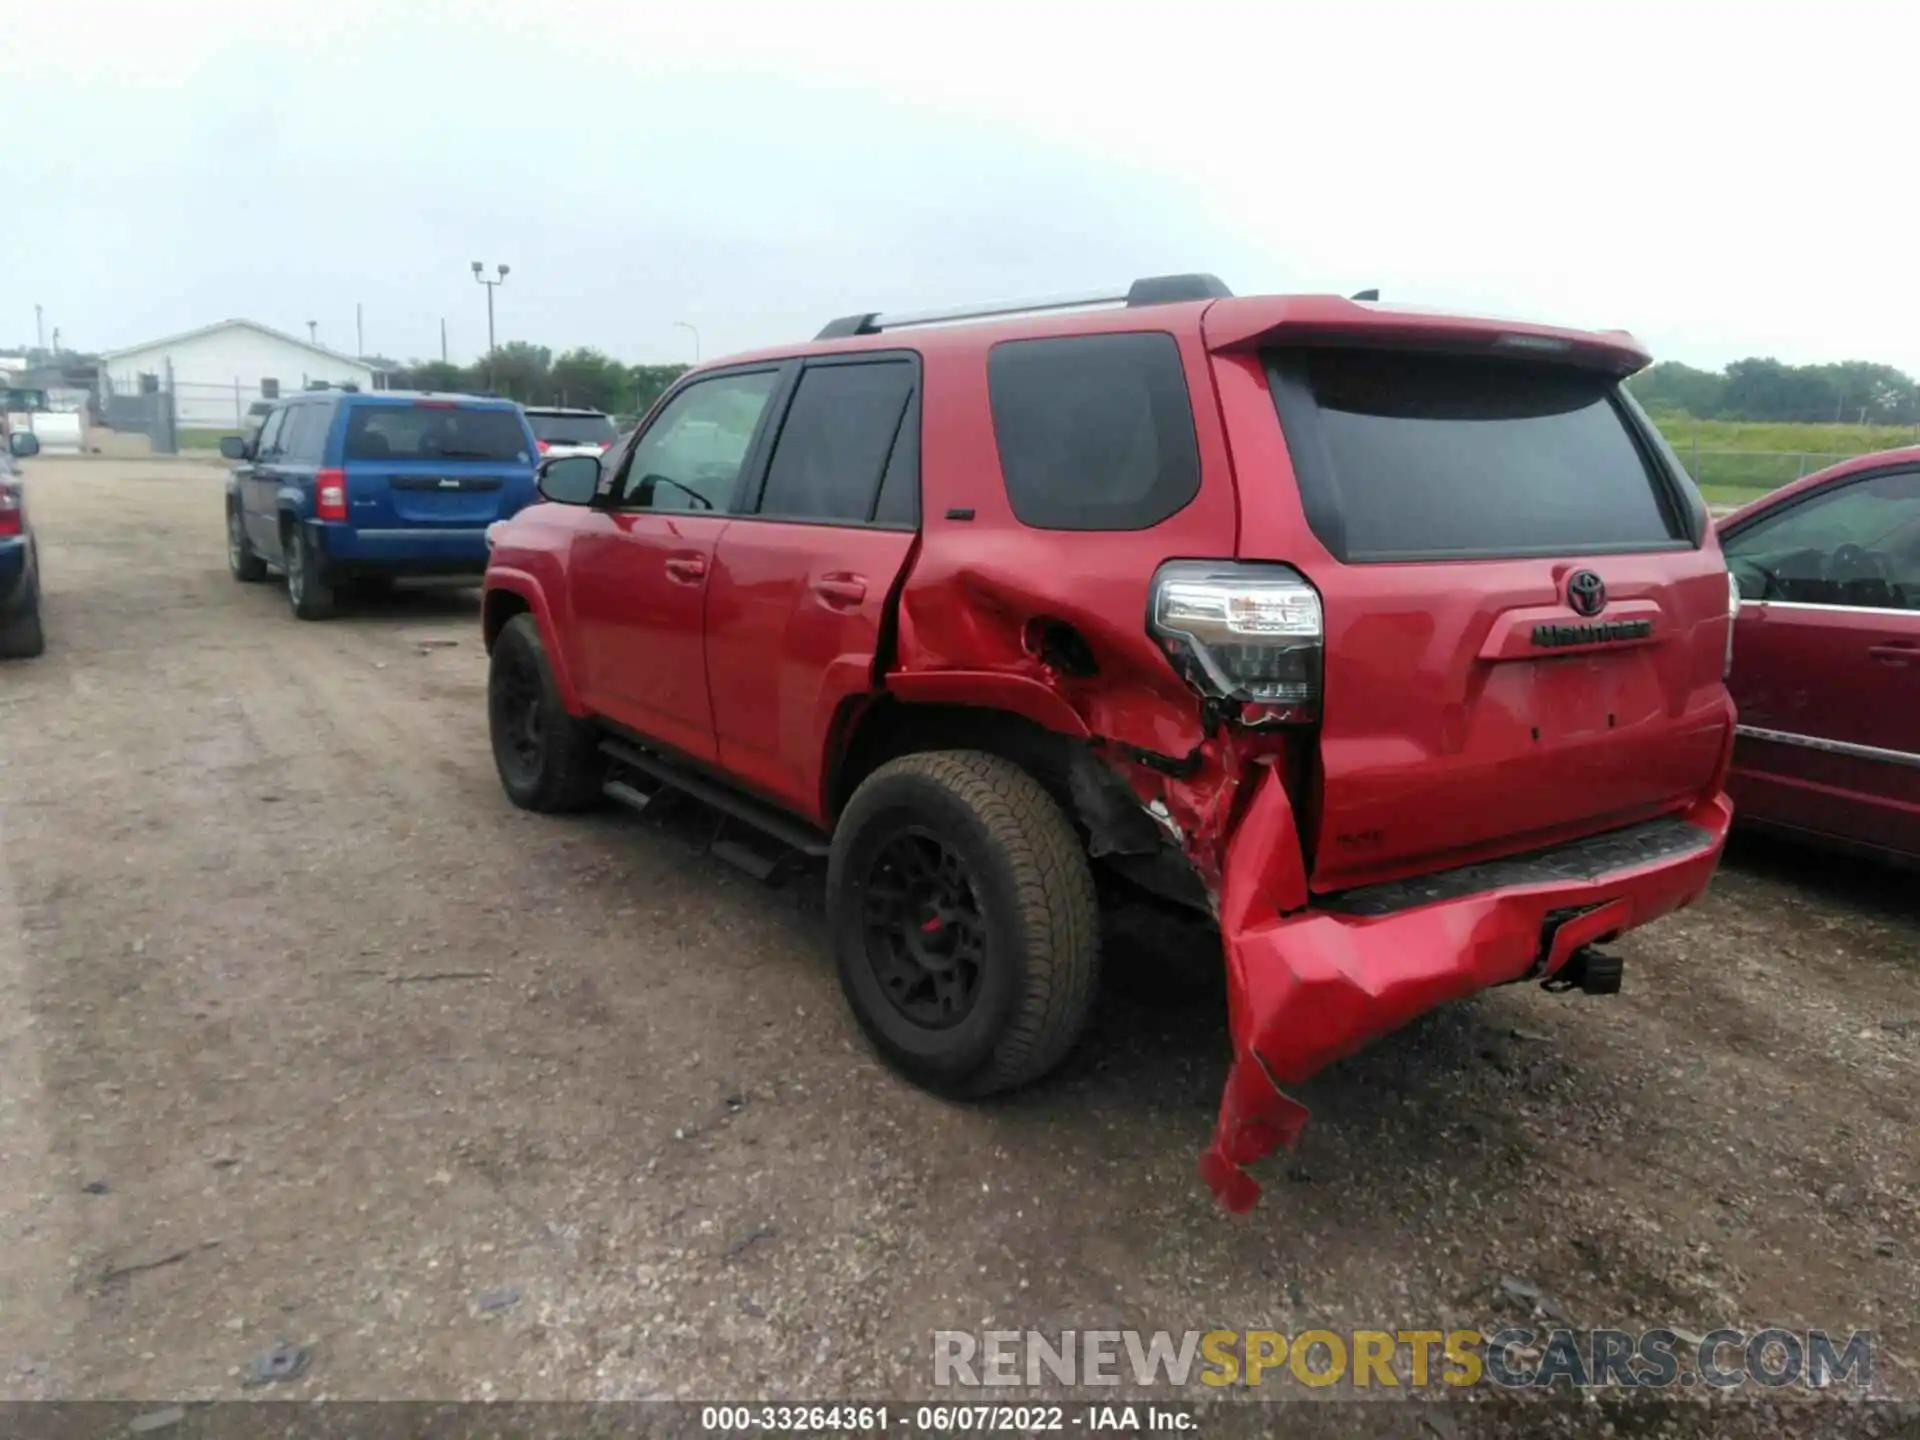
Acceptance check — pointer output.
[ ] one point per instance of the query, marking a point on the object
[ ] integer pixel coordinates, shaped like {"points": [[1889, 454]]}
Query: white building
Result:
{"points": [[218, 371]]}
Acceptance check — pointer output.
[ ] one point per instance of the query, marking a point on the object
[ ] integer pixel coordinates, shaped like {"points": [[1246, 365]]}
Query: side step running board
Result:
{"points": [[789, 832]]}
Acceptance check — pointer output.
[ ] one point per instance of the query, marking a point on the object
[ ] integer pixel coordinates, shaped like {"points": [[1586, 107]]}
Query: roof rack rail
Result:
{"points": [[1151, 290]]}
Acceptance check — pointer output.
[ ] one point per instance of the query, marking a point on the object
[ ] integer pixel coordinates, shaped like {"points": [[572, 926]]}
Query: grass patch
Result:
{"points": [[1683, 432], [1734, 461], [192, 439]]}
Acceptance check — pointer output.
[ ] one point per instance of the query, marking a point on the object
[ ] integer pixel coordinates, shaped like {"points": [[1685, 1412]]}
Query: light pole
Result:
{"points": [[313, 332], [491, 285], [683, 325]]}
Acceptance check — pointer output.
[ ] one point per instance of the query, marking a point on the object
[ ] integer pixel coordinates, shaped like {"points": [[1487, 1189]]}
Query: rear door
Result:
{"points": [[303, 442], [1826, 661], [800, 583], [1524, 639], [435, 464]]}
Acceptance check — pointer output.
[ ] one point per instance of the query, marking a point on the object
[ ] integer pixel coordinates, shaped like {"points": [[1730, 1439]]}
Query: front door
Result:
{"points": [[640, 562], [258, 486], [1826, 661]]}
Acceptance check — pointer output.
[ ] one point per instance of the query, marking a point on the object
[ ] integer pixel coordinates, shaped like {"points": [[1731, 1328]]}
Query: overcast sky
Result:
{"points": [[1723, 180]]}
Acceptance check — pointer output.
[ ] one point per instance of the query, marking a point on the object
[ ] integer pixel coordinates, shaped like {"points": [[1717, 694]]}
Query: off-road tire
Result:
{"points": [[1040, 915], [566, 769], [309, 591], [246, 566]]}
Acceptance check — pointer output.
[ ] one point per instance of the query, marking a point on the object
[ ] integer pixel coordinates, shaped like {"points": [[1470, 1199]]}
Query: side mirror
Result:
{"points": [[233, 447], [569, 480], [23, 444]]}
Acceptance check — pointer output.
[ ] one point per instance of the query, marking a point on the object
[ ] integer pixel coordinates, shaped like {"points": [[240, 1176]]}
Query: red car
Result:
{"points": [[1826, 664], [1393, 644]]}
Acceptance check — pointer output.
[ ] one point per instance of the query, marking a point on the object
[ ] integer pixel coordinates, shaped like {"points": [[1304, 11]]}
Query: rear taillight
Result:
{"points": [[545, 445], [1733, 617], [1245, 634], [13, 520], [330, 494]]}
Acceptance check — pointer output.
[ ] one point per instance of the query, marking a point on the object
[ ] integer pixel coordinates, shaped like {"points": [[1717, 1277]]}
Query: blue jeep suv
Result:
{"points": [[342, 489], [21, 637]]}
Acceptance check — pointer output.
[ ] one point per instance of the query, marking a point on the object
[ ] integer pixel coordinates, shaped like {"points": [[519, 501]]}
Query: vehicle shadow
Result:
{"points": [[1872, 887], [410, 604]]}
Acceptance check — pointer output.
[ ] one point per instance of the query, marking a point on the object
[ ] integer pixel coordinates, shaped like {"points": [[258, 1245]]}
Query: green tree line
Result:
{"points": [[1854, 392], [534, 375]]}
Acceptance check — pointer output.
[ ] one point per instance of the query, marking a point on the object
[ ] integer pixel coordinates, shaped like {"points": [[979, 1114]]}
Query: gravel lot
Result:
{"points": [[306, 1034]]}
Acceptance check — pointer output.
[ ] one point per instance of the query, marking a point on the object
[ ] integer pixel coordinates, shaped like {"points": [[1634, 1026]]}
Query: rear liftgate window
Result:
{"points": [[571, 429], [1095, 431], [1411, 456], [434, 432]]}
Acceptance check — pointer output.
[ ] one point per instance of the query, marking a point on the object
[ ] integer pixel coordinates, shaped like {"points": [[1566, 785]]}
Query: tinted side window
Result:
{"points": [[1095, 431], [691, 455], [270, 434], [899, 502], [306, 433], [835, 442], [1855, 545]]}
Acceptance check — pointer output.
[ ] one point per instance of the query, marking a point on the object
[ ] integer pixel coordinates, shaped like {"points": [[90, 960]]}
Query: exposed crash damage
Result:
{"points": [[1309, 986], [1176, 790], [1311, 979]]}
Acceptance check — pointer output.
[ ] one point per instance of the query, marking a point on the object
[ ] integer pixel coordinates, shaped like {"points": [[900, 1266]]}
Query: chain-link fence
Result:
{"points": [[180, 414], [144, 407], [205, 405]]}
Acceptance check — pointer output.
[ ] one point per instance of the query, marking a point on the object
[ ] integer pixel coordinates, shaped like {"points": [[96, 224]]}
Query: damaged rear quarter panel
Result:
{"points": [[982, 584]]}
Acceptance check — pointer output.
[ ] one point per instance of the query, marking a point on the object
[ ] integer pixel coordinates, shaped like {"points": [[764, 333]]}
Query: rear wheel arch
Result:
{"points": [[870, 731]]}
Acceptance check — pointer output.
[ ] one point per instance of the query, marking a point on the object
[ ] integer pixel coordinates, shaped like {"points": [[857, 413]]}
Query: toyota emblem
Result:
{"points": [[1586, 593]]}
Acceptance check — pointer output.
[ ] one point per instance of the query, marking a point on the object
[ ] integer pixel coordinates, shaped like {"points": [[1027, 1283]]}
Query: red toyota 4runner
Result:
{"points": [[1394, 642]]}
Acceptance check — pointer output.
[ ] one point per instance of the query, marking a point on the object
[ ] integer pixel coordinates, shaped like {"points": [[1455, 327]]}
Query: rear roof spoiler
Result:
{"points": [[1260, 321]]}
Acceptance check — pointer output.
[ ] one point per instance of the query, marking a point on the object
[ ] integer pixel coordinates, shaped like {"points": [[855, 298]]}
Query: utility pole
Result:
{"points": [[443, 339], [492, 285], [359, 332], [39, 329]]}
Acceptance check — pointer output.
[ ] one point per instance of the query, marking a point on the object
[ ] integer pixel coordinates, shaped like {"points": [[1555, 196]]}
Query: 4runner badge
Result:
{"points": [[1586, 593]]}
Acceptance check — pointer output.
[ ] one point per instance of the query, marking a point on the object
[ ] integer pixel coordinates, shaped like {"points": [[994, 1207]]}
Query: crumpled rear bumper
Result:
{"points": [[1307, 988]]}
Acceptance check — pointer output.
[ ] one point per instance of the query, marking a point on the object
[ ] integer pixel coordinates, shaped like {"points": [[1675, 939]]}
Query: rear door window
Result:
{"points": [[1410, 456], [1095, 431], [835, 441], [306, 433], [435, 432]]}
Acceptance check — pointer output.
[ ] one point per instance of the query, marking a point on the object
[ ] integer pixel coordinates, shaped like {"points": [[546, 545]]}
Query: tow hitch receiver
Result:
{"points": [[1589, 970]]}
